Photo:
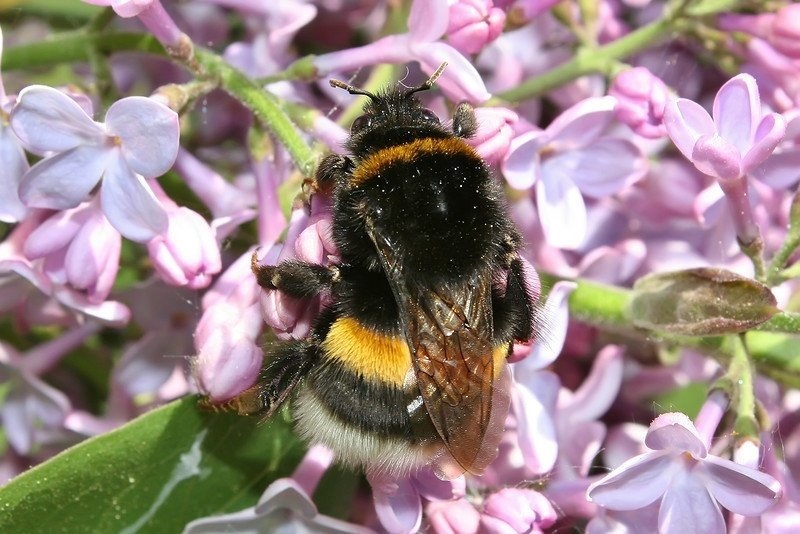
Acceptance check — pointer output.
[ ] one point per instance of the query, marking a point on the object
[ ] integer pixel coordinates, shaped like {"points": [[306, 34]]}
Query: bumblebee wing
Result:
{"points": [[449, 333]]}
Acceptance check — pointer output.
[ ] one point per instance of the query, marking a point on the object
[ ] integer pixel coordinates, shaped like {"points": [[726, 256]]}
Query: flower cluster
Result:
{"points": [[653, 181]]}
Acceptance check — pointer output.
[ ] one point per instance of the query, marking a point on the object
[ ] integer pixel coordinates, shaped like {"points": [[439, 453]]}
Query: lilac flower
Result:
{"points": [[79, 249], [24, 286], [780, 29], [452, 517], [641, 100], [533, 399], [398, 501], [152, 14], [516, 510], [733, 145], [427, 23], [738, 138], [228, 355], [285, 506], [690, 482], [12, 161], [493, 138], [472, 24], [187, 253], [32, 411], [139, 140], [573, 157]]}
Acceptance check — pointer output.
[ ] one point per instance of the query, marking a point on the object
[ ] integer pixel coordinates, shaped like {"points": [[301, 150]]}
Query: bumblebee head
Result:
{"points": [[392, 117]]}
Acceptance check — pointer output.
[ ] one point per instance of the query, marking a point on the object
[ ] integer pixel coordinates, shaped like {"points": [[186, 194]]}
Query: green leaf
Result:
{"points": [[156, 473], [700, 302]]}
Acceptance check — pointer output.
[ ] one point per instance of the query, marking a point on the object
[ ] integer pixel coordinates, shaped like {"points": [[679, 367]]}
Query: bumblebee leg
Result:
{"points": [[513, 310], [331, 171], [295, 278]]}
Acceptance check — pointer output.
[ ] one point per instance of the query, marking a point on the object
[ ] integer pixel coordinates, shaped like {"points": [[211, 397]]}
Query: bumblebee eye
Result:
{"points": [[362, 122], [428, 115]]}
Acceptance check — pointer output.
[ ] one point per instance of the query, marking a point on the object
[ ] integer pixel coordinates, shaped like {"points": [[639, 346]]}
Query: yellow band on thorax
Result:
{"points": [[373, 164]]}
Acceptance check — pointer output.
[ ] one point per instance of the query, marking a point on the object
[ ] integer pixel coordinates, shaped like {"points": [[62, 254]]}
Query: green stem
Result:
{"points": [[73, 47], [775, 272], [264, 105], [772, 344], [740, 373], [586, 61]]}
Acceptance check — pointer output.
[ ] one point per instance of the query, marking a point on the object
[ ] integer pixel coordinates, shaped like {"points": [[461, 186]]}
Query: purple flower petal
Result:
{"points": [[595, 395], [14, 165], [534, 403], [561, 211], [521, 166], [111, 313], [688, 507], [674, 432], [737, 109], [55, 232], [582, 123], [780, 171], [92, 260], [635, 484], [427, 20], [770, 132], [461, 80], [549, 343], [686, 121], [46, 119], [716, 157], [601, 168], [130, 204], [397, 503], [147, 364], [64, 180], [738, 488], [148, 131]]}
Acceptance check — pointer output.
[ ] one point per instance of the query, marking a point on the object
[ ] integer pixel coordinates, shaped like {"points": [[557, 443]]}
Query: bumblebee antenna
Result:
{"points": [[351, 89], [427, 84]]}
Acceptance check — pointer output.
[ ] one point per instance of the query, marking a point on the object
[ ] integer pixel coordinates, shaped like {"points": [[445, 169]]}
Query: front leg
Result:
{"points": [[297, 279]]}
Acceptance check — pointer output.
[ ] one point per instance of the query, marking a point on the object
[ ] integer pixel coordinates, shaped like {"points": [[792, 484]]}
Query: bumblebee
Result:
{"points": [[407, 366]]}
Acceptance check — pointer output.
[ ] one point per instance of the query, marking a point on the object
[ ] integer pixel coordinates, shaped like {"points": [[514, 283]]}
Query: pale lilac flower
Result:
{"points": [[79, 249], [738, 138], [139, 140], [228, 354], [473, 24], [32, 411], [780, 29], [641, 100], [452, 517], [36, 299], [398, 501], [690, 482], [533, 398], [516, 510], [285, 506], [580, 434], [12, 161], [427, 23], [218, 194], [187, 253], [573, 157], [495, 132], [152, 14], [308, 239]]}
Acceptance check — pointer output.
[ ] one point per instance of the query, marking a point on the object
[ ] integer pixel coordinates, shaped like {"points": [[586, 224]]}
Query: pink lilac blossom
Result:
{"points": [[427, 22]]}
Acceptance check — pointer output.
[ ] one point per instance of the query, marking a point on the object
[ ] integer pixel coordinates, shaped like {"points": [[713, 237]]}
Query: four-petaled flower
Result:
{"points": [[137, 141], [691, 483]]}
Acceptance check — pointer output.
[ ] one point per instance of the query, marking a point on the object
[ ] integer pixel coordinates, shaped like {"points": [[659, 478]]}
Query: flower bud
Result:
{"points": [[522, 510], [187, 253], [473, 24], [641, 100]]}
